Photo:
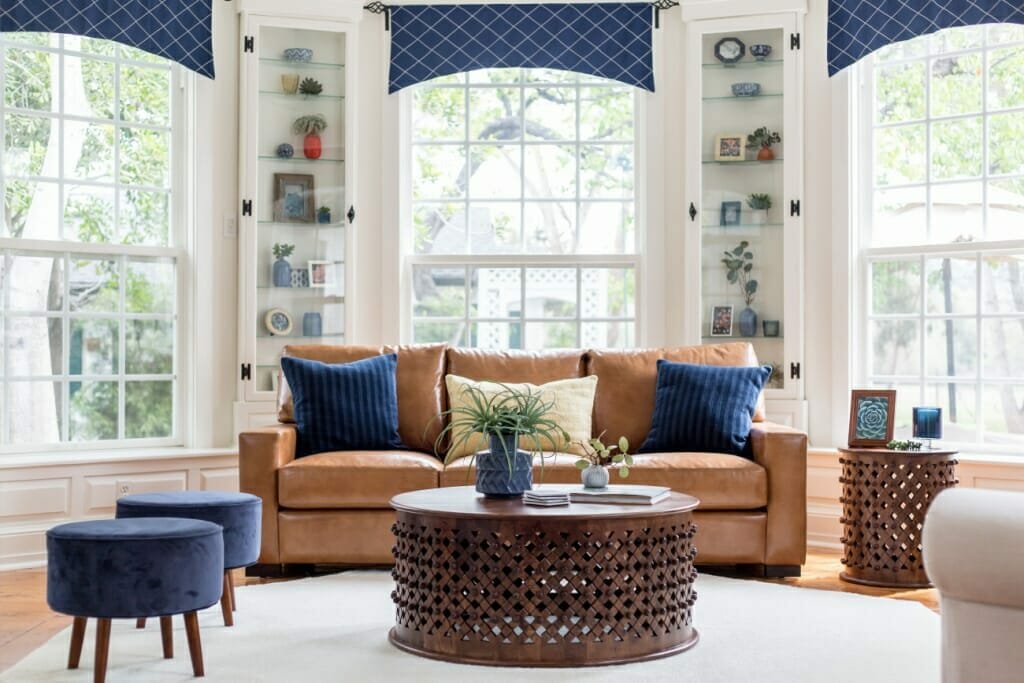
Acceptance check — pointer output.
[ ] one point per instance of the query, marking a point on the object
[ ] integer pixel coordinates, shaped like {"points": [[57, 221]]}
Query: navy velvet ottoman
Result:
{"points": [[240, 514], [130, 569]]}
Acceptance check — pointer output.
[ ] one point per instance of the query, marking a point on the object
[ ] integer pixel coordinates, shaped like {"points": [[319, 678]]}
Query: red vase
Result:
{"points": [[765, 154], [312, 146]]}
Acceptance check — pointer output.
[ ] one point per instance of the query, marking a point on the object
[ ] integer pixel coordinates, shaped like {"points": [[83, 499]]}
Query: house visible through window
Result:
{"points": [[90, 247], [943, 231], [523, 220]]}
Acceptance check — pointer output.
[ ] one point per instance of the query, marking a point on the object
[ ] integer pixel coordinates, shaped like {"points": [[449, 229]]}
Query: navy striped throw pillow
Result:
{"points": [[344, 407], [704, 408]]}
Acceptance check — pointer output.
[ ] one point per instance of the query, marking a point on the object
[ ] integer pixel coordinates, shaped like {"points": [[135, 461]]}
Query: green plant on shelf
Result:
{"points": [[763, 137], [311, 124], [283, 251], [759, 202], [738, 263], [311, 86]]}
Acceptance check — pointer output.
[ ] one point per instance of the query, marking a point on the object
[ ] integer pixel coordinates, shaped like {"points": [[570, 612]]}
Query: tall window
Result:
{"points": [[523, 224], [943, 230], [89, 245]]}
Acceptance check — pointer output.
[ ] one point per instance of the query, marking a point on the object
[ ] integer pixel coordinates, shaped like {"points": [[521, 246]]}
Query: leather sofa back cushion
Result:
{"points": [[534, 367], [624, 402], [420, 379]]}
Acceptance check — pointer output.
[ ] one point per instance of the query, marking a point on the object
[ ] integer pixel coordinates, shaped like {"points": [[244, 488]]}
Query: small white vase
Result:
{"points": [[594, 477], [759, 216]]}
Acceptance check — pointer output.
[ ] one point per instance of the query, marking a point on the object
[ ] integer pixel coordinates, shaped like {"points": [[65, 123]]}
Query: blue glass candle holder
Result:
{"points": [[928, 424]]}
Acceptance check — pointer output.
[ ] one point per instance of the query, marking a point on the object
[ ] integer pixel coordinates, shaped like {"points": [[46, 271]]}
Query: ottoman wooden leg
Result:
{"points": [[140, 622], [225, 601], [167, 637], [77, 636], [231, 583], [99, 672], [195, 648]]}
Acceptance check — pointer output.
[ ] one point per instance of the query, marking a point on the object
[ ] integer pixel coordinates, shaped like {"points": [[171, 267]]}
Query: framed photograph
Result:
{"points": [[872, 415], [721, 321], [294, 200], [730, 148], [731, 212], [323, 274]]}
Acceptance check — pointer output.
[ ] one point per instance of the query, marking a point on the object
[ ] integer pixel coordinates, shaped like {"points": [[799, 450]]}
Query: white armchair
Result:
{"points": [[974, 553]]}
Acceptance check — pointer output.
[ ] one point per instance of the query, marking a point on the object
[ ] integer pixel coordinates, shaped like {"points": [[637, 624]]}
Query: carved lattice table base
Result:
{"points": [[496, 582], [885, 497]]}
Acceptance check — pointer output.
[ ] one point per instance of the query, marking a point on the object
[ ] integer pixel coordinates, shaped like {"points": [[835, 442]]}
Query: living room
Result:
{"points": [[552, 340]]}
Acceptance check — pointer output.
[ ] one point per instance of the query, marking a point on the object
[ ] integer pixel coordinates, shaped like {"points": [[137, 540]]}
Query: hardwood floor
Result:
{"points": [[26, 622]]}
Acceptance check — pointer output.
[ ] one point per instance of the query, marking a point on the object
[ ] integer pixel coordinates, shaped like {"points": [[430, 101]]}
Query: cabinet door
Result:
{"points": [[296, 196], [743, 195]]}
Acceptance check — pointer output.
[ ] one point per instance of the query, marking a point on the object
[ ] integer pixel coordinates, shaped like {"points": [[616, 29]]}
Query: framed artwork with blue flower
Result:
{"points": [[293, 198], [872, 416]]}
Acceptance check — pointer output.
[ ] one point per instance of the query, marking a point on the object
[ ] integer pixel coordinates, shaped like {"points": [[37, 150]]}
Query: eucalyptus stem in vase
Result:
{"points": [[739, 263]]}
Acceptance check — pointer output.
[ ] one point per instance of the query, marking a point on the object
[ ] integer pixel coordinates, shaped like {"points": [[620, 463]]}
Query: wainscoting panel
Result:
{"points": [[34, 500], [102, 492]]}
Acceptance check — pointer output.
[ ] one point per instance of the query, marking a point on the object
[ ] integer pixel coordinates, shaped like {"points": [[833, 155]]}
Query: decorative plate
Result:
{"points": [[278, 321], [730, 50]]}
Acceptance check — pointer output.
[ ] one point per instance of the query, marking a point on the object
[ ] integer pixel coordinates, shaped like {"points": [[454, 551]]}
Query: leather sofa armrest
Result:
{"points": [[261, 453], [782, 451]]}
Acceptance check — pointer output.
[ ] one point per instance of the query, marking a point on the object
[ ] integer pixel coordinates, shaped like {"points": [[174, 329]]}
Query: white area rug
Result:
{"points": [[335, 628]]}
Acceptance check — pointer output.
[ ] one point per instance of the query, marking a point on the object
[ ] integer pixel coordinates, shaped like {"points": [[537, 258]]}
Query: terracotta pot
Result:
{"points": [[312, 147], [765, 154]]}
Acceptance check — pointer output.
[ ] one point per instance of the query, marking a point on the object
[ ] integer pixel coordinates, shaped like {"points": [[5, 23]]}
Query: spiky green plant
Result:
{"points": [[312, 123], [597, 453], [310, 86]]}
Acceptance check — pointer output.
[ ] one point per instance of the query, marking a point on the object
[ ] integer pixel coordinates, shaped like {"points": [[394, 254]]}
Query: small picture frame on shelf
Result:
{"points": [[721, 321], [294, 200], [732, 147], [300, 277], [323, 274], [872, 417], [731, 212]]}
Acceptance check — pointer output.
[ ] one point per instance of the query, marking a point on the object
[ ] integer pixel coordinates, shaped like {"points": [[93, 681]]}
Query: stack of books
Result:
{"points": [[546, 497], [557, 494]]}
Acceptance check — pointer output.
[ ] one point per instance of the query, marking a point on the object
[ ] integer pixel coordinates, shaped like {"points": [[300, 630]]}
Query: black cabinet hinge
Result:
{"points": [[351, 215], [794, 207], [246, 372], [249, 44], [794, 41], [794, 371], [693, 212], [246, 207]]}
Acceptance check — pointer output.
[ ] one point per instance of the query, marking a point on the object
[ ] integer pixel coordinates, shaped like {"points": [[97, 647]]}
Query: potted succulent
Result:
{"points": [[282, 270], [763, 138], [503, 419], [598, 458], [323, 214], [759, 205], [311, 127], [738, 265], [310, 86]]}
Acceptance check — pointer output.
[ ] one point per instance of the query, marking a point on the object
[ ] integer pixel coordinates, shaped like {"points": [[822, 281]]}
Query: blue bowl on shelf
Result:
{"points": [[298, 54], [746, 89], [760, 51]]}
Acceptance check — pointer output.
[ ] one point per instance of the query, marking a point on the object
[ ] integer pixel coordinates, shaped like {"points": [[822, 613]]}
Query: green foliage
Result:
{"points": [[759, 202], [763, 137], [310, 86], [738, 263], [324, 211], [282, 251], [597, 453], [311, 124]]}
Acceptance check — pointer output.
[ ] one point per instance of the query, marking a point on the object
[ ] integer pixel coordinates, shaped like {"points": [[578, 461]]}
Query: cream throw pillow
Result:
{"points": [[573, 411]]}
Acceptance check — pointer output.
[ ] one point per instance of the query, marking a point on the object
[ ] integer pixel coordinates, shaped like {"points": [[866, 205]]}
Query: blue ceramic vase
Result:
{"points": [[282, 273], [748, 322], [494, 477], [312, 325]]}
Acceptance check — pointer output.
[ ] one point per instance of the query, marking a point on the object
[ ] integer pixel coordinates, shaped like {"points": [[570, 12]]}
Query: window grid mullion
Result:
{"points": [[65, 394], [979, 422]]}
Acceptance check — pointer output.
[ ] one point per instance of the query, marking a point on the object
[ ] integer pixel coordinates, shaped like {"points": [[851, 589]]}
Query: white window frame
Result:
{"points": [[181, 237], [863, 186], [634, 260]]}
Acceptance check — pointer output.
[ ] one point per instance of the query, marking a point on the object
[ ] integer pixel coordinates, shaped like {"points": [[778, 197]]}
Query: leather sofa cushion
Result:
{"points": [[354, 479], [420, 380], [719, 481], [628, 380], [535, 367]]}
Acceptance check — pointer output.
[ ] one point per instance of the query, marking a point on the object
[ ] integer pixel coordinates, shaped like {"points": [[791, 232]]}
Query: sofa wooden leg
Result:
{"points": [[195, 647], [140, 622], [225, 601], [77, 637], [167, 637], [99, 672]]}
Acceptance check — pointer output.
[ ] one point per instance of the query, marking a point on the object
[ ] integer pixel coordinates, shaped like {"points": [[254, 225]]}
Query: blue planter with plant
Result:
{"points": [[504, 470], [323, 215], [739, 262], [282, 270]]}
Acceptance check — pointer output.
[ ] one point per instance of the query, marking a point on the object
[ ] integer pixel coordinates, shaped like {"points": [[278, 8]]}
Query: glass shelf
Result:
{"points": [[747, 226], [736, 337], [745, 162], [300, 97], [762, 96], [267, 335], [319, 292], [301, 160], [270, 61], [304, 226], [753, 63]]}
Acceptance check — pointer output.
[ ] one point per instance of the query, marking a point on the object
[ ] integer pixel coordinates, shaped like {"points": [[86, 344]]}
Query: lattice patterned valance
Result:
{"points": [[610, 40], [856, 28], [180, 30]]}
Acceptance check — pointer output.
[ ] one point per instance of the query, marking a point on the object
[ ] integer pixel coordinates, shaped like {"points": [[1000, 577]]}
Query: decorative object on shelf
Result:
{"points": [[282, 270], [927, 423], [759, 205], [503, 418], [300, 277], [907, 445], [312, 325], [323, 214], [721, 321], [278, 322], [739, 262], [872, 416], [771, 328], [293, 198], [298, 54], [730, 148], [746, 89], [311, 86], [311, 126], [730, 50], [290, 83], [760, 51], [323, 273], [776, 380], [285, 151], [598, 458], [763, 139], [730, 213]]}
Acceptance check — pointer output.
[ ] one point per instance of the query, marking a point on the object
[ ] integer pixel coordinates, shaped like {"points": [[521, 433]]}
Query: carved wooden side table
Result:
{"points": [[885, 497], [497, 582]]}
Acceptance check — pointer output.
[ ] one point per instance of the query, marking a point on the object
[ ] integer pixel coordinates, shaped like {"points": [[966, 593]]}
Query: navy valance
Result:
{"points": [[856, 28], [610, 40], [180, 30]]}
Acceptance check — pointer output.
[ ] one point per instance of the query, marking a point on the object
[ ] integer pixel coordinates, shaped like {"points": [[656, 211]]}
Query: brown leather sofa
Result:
{"points": [[332, 508]]}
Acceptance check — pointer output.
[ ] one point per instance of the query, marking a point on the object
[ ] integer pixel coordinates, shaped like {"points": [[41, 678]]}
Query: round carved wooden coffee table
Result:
{"points": [[487, 581], [885, 497]]}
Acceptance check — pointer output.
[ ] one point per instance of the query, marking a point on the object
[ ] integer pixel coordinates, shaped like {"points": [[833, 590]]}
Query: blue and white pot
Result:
{"points": [[494, 477]]}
